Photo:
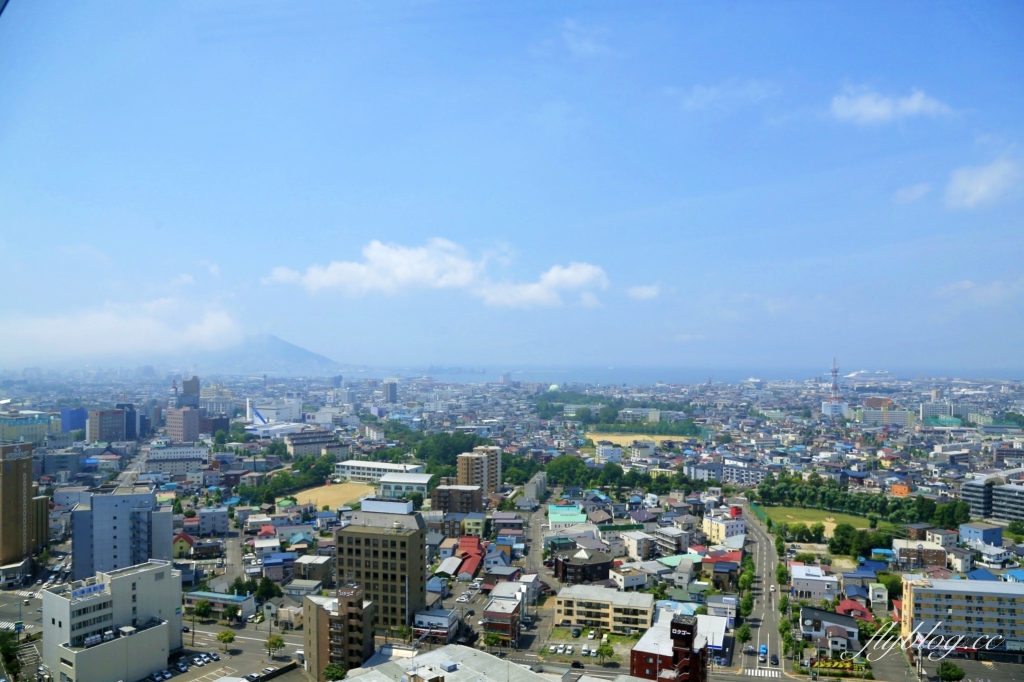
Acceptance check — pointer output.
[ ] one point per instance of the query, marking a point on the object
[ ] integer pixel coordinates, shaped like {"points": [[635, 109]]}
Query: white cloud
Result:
{"points": [[726, 95], [908, 195], [548, 290], [441, 264], [645, 292], [582, 41], [161, 326], [996, 292], [183, 279], [389, 268], [980, 185], [865, 107], [212, 268]]}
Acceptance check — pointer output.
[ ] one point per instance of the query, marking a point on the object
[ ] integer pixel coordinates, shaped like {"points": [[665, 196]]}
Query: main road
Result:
{"points": [[764, 620]]}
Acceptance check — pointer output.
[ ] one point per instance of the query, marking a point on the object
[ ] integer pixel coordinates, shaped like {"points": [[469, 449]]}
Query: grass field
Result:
{"points": [[335, 495], [811, 516]]}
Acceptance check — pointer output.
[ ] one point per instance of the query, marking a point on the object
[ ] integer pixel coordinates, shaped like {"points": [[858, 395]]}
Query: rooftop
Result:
{"points": [[591, 593]]}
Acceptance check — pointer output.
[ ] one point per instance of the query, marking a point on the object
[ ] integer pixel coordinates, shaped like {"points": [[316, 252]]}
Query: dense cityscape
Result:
{"points": [[761, 528]]}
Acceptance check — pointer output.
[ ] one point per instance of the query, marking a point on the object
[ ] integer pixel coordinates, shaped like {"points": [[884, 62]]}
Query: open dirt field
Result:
{"points": [[336, 495]]}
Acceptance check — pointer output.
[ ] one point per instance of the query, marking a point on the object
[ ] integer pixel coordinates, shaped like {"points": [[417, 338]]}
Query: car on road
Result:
{"points": [[772, 588], [577, 664], [775, 659], [762, 653], [184, 628], [749, 650], [470, 612]]}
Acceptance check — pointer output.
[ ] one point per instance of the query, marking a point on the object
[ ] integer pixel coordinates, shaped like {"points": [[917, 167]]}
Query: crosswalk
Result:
{"points": [[9, 625], [761, 672], [28, 593]]}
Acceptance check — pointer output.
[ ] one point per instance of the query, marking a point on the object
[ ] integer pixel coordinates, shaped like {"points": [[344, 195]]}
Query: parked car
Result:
{"points": [[252, 677], [593, 653], [590, 635], [568, 649], [552, 649], [198, 662], [561, 648], [214, 656]]}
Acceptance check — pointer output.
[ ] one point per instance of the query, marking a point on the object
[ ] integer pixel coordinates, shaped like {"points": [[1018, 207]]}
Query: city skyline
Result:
{"points": [[678, 187]]}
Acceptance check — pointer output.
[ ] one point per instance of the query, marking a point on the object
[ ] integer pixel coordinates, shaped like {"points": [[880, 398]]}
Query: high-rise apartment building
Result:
{"points": [[970, 609], [390, 388], [105, 426], [119, 527], [117, 625], [337, 629], [24, 515], [183, 424], [481, 467], [383, 550]]}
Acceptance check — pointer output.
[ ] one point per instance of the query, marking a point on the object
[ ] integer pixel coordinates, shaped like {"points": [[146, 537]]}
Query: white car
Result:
{"points": [[552, 649], [590, 635], [561, 648], [568, 649], [772, 588], [593, 653]]}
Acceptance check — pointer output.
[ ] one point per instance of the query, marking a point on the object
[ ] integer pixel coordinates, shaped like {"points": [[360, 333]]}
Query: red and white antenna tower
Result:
{"points": [[834, 397]]}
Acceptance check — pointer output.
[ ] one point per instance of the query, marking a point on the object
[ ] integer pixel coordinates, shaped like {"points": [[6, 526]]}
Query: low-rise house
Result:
{"points": [[812, 583], [436, 625], [833, 632]]}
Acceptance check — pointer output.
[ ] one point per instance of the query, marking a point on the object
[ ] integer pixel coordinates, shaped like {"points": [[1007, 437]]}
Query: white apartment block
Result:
{"points": [[639, 546], [608, 452], [812, 583], [362, 471], [120, 625], [968, 609]]}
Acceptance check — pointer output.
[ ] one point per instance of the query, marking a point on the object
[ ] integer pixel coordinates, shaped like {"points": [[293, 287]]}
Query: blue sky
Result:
{"points": [[660, 184]]}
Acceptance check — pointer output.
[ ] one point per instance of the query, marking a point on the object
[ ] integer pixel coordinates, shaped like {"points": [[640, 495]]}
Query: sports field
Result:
{"points": [[335, 495], [812, 516], [628, 438]]}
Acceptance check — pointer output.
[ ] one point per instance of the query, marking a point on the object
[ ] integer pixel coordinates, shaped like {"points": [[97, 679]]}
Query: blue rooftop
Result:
{"points": [[981, 574]]}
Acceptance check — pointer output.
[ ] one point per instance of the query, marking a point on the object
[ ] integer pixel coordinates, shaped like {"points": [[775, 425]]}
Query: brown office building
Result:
{"points": [[105, 426], [686, 661], [183, 424], [337, 630], [461, 499], [24, 515], [383, 550]]}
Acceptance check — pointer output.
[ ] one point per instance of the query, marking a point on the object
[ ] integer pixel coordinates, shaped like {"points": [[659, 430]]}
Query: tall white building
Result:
{"points": [[119, 527], [117, 625]]}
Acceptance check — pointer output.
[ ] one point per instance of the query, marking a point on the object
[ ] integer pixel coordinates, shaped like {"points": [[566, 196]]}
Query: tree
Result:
{"points": [[743, 633], [805, 558], [747, 605], [605, 650], [788, 643], [417, 500], [783, 603], [203, 608], [818, 532], [950, 672], [190, 514], [782, 574], [268, 589], [274, 644], [176, 508], [220, 438], [225, 637], [701, 611], [491, 639], [746, 580], [335, 671], [231, 612]]}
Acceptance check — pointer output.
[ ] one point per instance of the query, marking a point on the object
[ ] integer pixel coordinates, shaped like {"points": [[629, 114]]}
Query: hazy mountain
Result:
{"points": [[266, 354]]}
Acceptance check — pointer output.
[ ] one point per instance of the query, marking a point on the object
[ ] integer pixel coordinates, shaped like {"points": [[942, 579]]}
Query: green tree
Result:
{"points": [[701, 611], [491, 639], [190, 514], [268, 589], [220, 438], [203, 608], [231, 612], [417, 500], [745, 582], [782, 574], [950, 672], [274, 644], [747, 605], [176, 507], [225, 637], [788, 643], [818, 532], [604, 651], [805, 558], [335, 671], [743, 634], [784, 603]]}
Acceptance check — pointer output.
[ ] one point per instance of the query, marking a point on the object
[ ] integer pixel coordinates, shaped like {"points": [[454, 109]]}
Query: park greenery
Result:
{"points": [[819, 493], [335, 671], [306, 472], [569, 470], [9, 653]]}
